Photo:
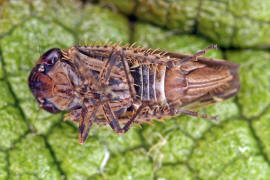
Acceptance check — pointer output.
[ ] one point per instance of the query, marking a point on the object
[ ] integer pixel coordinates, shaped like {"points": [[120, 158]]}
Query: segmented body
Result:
{"points": [[132, 85]]}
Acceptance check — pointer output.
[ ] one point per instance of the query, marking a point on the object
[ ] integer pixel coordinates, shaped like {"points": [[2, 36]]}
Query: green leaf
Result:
{"points": [[5, 95], [221, 146], [31, 157], [125, 6], [3, 165], [262, 131], [116, 144], [77, 160], [228, 23], [253, 167], [176, 172], [254, 96], [167, 144], [154, 37], [12, 126], [131, 165], [13, 13], [102, 25]]}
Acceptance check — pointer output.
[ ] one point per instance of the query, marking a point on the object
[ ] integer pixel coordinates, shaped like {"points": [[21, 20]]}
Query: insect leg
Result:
{"points": [[111, 119], [194, 57], [132, 119], [175, 111], [104, 74], [88, 115], [196, 114], [74, 115], [127, 72], [172, 111]]}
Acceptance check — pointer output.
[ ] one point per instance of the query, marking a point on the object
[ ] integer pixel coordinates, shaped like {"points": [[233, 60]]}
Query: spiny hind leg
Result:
{"points": [[196, 114], [132, 91], [111, 119], [133, 118], [114, 122], [195, 56], [105, 73], [173, 110]]}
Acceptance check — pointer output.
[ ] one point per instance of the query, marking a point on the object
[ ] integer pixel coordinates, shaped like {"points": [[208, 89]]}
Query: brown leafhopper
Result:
{"points": [[119, 86]]}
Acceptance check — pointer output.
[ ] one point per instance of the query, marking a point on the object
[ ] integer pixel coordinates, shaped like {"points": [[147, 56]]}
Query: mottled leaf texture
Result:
{"points": [[37, 145]]}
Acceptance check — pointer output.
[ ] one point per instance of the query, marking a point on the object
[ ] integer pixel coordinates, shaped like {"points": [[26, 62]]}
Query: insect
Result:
{"points": [[124, 85]]}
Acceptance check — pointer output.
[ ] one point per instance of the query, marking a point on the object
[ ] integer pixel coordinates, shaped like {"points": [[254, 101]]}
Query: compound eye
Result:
{"points": [[51, 56], [52, 60]]}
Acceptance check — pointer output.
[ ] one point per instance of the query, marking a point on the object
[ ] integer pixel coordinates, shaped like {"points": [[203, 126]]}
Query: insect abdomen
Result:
{"points": [[183, 84], [149, 82]]}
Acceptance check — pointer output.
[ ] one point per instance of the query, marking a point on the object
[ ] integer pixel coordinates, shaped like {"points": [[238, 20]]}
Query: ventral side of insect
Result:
{"points": [[121, 86]]}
